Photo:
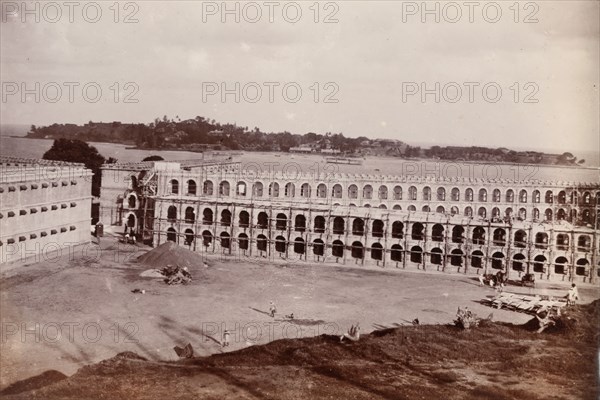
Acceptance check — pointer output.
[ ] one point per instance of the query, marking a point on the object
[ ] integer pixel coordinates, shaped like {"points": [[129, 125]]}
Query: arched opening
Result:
{"points": [[523, 196], [482, 212], [436, 256], [440, 210], [426, 209], [437, 233], [133, 182], [455, 194], [496, 195], [171, 235], [478, 235], [225, 240], [226, 217], [305, 190], [207, 188], [477, 259], [300, 223], [383, 206], [482, 195], [261, 243], [541, 240], [562, 241], [520, 238], [299, 247], [441, 194], [321, 190], [337, 191], [456, 258], [495, 214], [539, 264], [383, 192], [358, 251], [417, 232], [337, 248], [469, 194], [416, 254], [412, 193], [426, 193], [518, 263], [207, 216], [131, 222], [397, 230], [396, 253], [191, 184], [549, 197], [289, 190], [319, 224], [498, 260], [174, 186], [339, 226], [412, 208], [536, 214], [562, 197], [468, 212], [274, 189], [190, 216], [584, 243], [548, 214], [377, 251], [263, 220], [257, 189], [458, 234], [499, 238], [206, 238], [397, 207], [189, 237], [244, 221], [581, 268], [397, 192], [280, 244], [377, 228], [536, 196], [358, 227], [353, 191], [240, 188], [522, 214], [367, 192], [560, 265], [454, 210], [510, 196], [224, 188], [132, 201], [318, 247], [281, 222], [172, 213], [243, 242]]}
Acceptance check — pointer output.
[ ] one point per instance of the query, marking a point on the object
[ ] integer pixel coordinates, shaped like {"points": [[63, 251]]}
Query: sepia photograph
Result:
{"points": [[311, 199]]}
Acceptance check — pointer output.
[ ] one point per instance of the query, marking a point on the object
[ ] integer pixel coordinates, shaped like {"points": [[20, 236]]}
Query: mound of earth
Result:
{"points": [[170, 253], [494, 361]]}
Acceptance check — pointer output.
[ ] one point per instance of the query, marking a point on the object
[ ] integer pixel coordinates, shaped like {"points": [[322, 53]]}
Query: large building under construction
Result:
{"points": [[412, 223]]}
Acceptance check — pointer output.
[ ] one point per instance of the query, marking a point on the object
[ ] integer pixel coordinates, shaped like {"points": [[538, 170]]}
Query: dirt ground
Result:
{"points": [[72, 311]]}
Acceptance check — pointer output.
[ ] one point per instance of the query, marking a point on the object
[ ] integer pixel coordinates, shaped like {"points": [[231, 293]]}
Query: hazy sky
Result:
{"points": [[371, 57]]}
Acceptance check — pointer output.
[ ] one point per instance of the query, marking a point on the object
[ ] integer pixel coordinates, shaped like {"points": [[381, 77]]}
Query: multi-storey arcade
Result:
{"points": [[459, 225]]}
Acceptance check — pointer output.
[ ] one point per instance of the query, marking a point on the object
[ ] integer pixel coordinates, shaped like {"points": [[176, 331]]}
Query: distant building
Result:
{"points": [[45, 208]]}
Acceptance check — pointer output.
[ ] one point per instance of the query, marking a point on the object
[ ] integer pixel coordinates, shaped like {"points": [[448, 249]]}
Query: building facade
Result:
{"points": [[45, 207]]}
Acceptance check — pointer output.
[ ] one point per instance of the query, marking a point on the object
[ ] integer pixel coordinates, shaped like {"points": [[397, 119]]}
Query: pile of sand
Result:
{"points": [[169, 253]]}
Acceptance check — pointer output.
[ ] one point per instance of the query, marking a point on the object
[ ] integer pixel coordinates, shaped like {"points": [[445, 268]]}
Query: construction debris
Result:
{"points": [[466, 319], [184, 352], [525, 303], [176, 275]]}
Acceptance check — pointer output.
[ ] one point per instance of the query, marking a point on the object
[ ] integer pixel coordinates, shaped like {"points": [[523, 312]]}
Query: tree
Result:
{"points": [[77, 151], [153, 158]]}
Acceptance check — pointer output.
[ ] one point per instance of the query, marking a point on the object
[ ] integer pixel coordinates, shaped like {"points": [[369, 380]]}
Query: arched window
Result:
{"points": [[280, 244], [441, 194], [496, 195], [172, 213], [584, 243], [300, 223], [397, 207], [243, 241], [396, 253], [257, 189], [190, 216], [520, 238], [469, 194], [299, 247], [561, 214], [499, 237], [478, 235], [240, 188], [397, 230], [482, 195], [337, 248], [261, 243], [263, 220], [412, 193], [549, 197], [336, 192], [417, 232], [416, 254], [397, 192], [426, 193], [226, 217], [207, 188], [562, 241], [174, 186], [318, 247], [560, 265], [367, 192], [412, 208], [498, 260], [495, 213], [426, 209], [522, 214], [339, 226], [244, 221], [562, 197], [548, 214], [281, 221], [383, 206], [437, 233], [582, 267], [353, 191], [508, 212], [224, 188], [321, 190], [207, 216], [305, 190], [383, 192], [206, 238], [454, 210], [541, 240], [536, 196], [133, 182], [468, 212], [455, 194], [440, 210], [539, 264], [132, 201], [189, 237], [319, 224], [518, 263], [225, 240], [587, 198], [456, 258], [171, 235], [476, 259], [510, 196], [536, 214], [377, 251], [523, 196], [377, 228], [358, 250], [290, 190], [274, 189], [191, 184], [436, 256], [458, 234], [482, 212]]}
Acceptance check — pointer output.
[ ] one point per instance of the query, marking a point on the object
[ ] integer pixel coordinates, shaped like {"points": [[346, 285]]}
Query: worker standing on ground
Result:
{"points": [[573, 295], [272, 309]]}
